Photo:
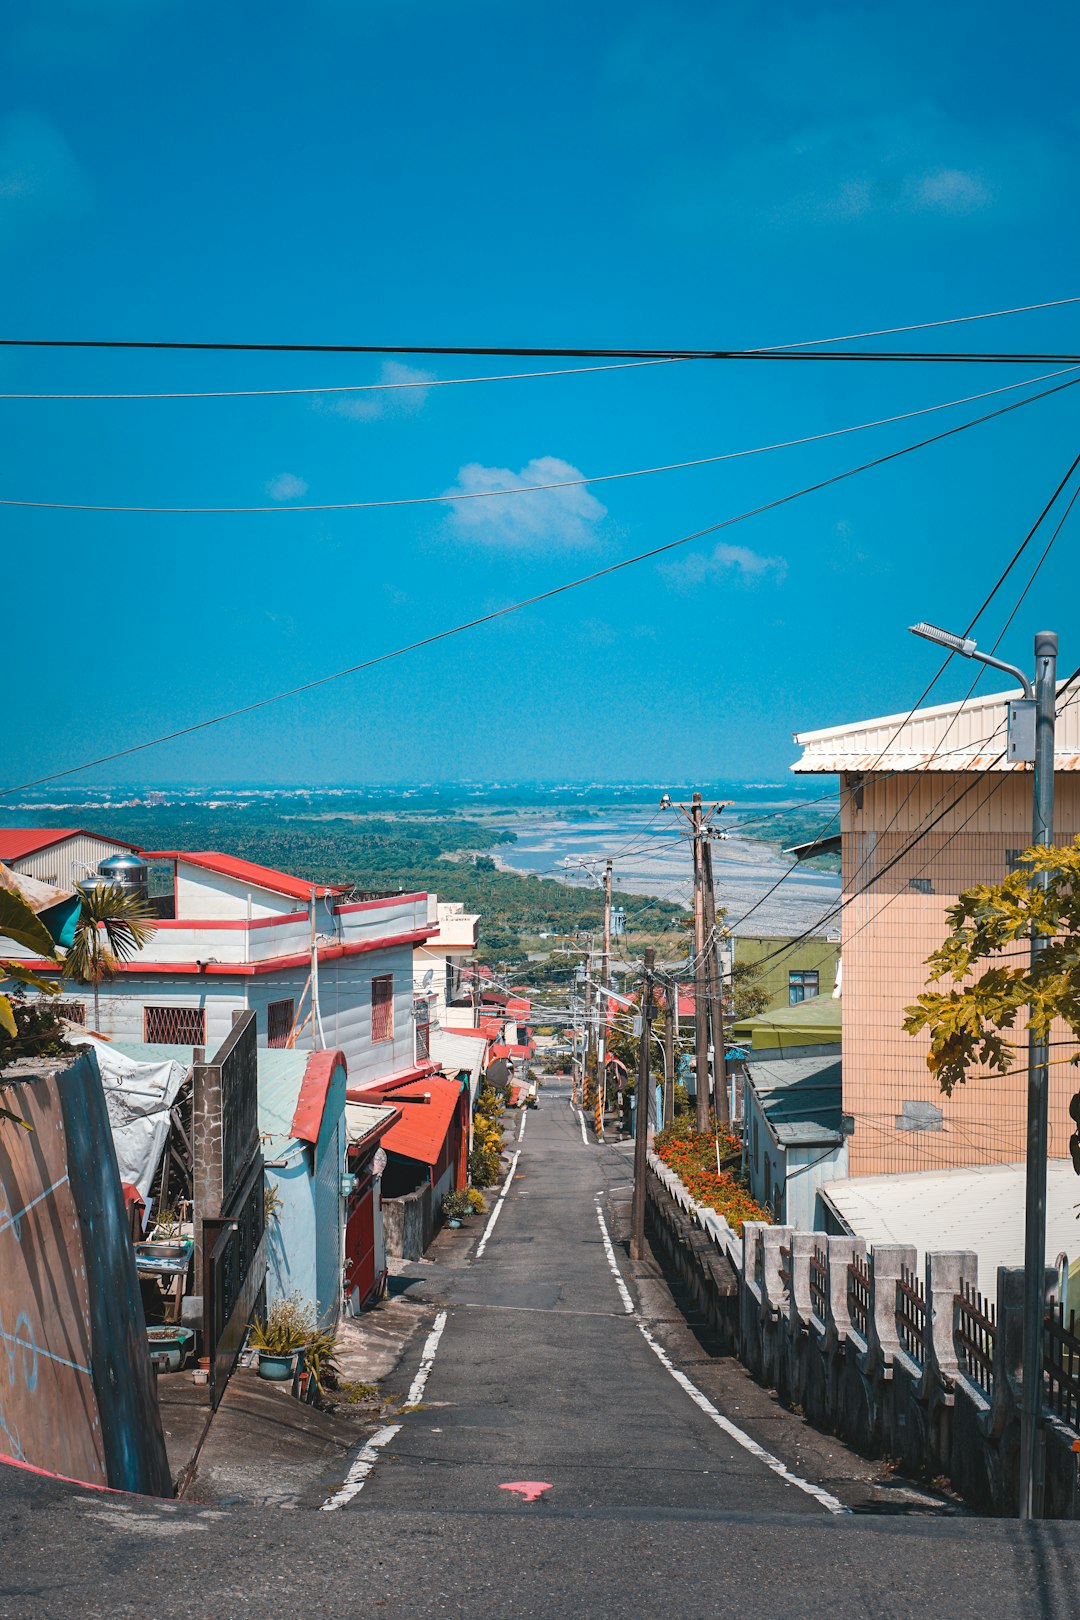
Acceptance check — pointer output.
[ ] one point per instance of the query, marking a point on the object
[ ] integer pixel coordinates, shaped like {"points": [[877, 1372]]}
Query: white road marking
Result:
{"points": [[624, 1292], [416, 1388], [581, 1122], [831, 1503], [368, 1455], [521, 1127], [497, 1211], [357, 1477]]}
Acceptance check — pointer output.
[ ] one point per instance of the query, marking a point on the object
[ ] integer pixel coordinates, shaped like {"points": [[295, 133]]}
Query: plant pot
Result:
{"points": [[453, 1221], [277, 1369]]}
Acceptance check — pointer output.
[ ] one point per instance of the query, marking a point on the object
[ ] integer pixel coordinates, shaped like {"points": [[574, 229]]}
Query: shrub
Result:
{"points": [[692, 1155], [476, 1201], [483, 1167], [455, 1205]]}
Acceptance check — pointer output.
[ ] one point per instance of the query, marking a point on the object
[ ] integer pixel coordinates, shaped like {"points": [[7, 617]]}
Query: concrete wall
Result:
{"points": [[816, 953], [408, 1223], [923, 1404]]}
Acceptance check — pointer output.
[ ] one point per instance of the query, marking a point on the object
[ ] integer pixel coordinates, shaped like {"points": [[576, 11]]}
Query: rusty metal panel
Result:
{"points": [[79, 1396]]}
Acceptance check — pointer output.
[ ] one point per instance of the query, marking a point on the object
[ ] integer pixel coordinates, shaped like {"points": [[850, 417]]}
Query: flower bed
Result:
{"points": [[692, 1156]]}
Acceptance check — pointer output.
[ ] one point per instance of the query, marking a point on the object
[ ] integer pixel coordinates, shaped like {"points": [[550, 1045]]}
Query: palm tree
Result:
{"points": [[112, 926]]}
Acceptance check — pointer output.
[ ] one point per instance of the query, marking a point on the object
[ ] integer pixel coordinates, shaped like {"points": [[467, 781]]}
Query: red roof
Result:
{"points": [[421, 1131], [501, 1050], [477, 1034], [19, 841], [314, 1088], [518, 1004], [260, 877]]}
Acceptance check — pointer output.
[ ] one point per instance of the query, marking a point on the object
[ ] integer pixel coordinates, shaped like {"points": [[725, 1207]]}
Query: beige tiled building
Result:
{"points": [[928, 808]]}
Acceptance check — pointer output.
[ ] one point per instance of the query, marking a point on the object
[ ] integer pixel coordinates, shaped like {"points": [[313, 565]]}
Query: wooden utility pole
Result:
{"points": [[701, 973], [642, 1109], [716, 988], [602, 1005]]}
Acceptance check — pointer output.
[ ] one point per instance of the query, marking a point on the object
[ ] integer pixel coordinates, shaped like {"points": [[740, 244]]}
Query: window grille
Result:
{"points": [[921, 885], [382, 1007], [73, 1011], [174, 1026], [279, 1022]]}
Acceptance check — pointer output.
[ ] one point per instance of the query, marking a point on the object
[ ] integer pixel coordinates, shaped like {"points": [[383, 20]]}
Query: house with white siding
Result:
{"points": [[62, 856], [317, 971]]}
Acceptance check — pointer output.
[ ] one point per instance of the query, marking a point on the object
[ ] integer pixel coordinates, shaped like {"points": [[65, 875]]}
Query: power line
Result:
{"points": [[243, 393], [457, 496], [540, 596]]}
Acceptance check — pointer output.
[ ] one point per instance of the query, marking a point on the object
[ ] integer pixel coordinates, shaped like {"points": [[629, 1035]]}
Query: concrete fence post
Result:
{"points": [[800, 1311], [883, 1341], [946, 1275], [774, 1292], [841, 1252]]}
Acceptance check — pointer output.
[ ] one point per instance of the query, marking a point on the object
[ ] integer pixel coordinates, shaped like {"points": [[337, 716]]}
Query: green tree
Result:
{"points": [[112, 926], [985, 955]]}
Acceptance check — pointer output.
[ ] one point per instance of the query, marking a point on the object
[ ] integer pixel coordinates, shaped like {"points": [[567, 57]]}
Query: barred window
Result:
{"points": [[174, 1026], [279, 1022], [382, 1007], [73, 1011]]}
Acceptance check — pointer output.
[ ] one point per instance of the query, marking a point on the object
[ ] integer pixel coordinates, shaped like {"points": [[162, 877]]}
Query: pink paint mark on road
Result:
{"points": [[530, 1490]]}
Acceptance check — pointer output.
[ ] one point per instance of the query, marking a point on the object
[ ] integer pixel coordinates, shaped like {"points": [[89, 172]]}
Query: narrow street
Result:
{"points": [[541, 1374]]}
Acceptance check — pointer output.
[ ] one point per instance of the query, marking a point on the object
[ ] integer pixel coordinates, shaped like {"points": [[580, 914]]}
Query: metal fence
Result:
{"points": [[1061, 1365], [975, 1333], [858, 1295], [234, 1278], [911, 1313], [819, 1284]]}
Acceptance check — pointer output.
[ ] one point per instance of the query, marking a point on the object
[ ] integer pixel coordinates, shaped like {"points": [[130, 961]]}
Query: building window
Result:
{"points": [[73, 1011], [422, 1017], [279, 1022], [174, 1026], [802, 986], [382, 1007], [921, 885]]}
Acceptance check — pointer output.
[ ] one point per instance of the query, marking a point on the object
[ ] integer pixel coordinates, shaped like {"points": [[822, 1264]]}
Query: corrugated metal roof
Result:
{"points": [[980, 1208], [454, 1051], [421, 1130], [817, 1013], [800, 1098], [152, 1052], [964, 736], [364, 1119], [260, 877], [281, 1074], [17, 841]]}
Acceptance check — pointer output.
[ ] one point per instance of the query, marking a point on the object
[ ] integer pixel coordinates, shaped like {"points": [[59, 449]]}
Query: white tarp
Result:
{"points": [[138, 1097]]}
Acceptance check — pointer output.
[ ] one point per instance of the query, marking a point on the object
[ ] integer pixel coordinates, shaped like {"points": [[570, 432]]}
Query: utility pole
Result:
{"points": [[671, 1035], [642, 1110], [714, 979], [602, 1005], [1046, 647], [1032, 724], [701, 984]]}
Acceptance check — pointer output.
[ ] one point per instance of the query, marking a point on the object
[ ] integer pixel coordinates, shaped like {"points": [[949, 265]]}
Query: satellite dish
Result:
{"points": [[428, 976]]}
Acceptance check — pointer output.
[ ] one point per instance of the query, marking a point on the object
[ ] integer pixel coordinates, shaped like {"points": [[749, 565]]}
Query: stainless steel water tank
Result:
{"points": [[128, 872]]}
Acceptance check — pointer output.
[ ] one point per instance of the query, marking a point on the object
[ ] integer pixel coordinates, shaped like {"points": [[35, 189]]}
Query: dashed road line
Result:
{"points": [[830, 1503], [368, 1455], [497, 1211]]}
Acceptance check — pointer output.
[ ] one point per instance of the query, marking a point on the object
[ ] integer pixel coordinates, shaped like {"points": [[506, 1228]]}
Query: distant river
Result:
{"points": [[651, 857]]}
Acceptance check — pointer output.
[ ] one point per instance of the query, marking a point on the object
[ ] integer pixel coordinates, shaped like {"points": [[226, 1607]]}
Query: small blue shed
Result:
{"points": [[302, 1125], [792, 1137]]}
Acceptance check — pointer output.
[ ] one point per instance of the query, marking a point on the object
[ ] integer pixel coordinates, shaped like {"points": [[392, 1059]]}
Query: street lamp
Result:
{"points": [[1031, 737]]}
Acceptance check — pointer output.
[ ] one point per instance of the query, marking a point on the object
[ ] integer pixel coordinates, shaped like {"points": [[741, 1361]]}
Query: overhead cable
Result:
{"points": [[539, 596]]}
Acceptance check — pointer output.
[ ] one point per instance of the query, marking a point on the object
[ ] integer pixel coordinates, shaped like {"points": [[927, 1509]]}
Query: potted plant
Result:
{"points": [[476, 1201], [455, 1207], [281, 1335]]}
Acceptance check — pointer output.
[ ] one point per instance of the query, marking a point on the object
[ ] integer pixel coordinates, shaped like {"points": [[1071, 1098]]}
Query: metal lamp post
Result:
{"points": [[1031, 737]]}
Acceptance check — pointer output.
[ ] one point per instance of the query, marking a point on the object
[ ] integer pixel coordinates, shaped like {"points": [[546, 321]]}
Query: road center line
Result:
{"points": [[368, 1455], [497, 1211], [830, 1503]]}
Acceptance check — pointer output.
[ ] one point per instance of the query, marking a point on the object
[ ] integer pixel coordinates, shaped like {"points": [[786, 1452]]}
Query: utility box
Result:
{"points": [[1021, 744]]}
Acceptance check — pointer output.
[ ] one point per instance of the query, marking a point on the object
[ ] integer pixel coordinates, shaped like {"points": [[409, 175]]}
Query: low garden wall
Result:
{"points": [[920, 1368], [408, 1223]]}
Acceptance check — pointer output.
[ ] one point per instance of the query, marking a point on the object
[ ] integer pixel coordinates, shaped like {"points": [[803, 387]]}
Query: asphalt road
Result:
{"points": [[540, 1373]]}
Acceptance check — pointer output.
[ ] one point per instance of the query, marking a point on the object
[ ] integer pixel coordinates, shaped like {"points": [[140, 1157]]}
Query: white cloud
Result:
{"points": [[549, 517], [404, 395], [286, 487], [40, 179], [723, 565]]}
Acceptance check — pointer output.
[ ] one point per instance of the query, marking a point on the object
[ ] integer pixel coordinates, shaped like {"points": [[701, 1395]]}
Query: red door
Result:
{"points": [[360, 1278]]}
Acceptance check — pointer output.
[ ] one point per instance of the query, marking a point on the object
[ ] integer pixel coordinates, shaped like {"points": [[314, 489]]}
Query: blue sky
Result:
{"points": [[609, 175]]}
